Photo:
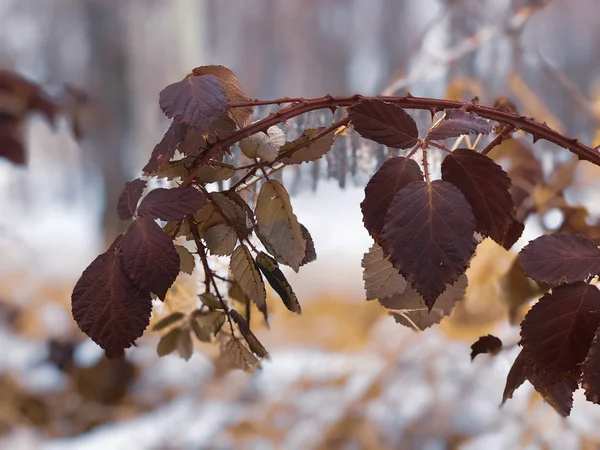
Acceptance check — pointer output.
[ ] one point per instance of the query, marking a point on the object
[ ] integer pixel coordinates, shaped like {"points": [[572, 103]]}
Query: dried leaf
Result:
{"points": [[428, 233], [486, 344], [232, 89], [186, 260], [263, 145], [185, 346], [270, 269], [458, 122], [149, 256], [168, 342], [174, 169], [210, 300], [304, 148], [560, 258], [255, 346], [168, 320], [221, 239], [247, 275], [197, 101], [392, 176], [171, 204], [384, 123], [207, 325], [277, 225], [239, 356], [414, 310], [487, 189], [108, 306], [381, 278], [213, 172], [311, 253], [128, 200]]}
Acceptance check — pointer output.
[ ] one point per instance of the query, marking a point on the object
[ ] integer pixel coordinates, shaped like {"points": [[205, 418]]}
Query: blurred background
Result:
{"points": [[343, 375]]}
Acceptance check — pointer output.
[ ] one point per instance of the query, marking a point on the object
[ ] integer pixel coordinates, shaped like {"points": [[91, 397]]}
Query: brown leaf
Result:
{"points": [[409, 308], [168, 342], [384, 123], [428, 233], [487, 189], [186, 259], [458, 122], [270, 269], [255, 346], [128, 200], [248, 277], [168, 321], [149, 256], [108, 306], [239, 356], [221, 239], [311, 253], [305, 148], [392, 176], [196, 100], [277, 225], [486, 344], [560, 258], [171, 204], [232, 89], [381, 278], [11, 141], [558, 330], [263, 145]]}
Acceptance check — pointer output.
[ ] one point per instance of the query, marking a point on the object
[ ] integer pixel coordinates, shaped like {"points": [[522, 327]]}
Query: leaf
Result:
{"points": [[590, 379], [428, 233], [207, 325], [277, 225], [514, 233], [128, 200], [239, 356], [311, 253], [515, 378], [558, 330], [270, 269], [149, 256], [486, 344], [263, 145], [108, 306], [304, 148], [232, 89], [560, 258], [381, 278], [487, 189], [174, 169], [168, 320], [195, 101], [210, 300], [186, 259], [165, 149], [255, 346], [246, 273], [516, 289], [384, 123], [458, 122], [413, 307], [171, 204], [213, 172], [168, 342], [185, 346], [393, 175], [221, 239]]}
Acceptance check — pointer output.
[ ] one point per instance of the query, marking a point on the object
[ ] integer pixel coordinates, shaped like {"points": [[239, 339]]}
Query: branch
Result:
{"points": [[299, 106]]}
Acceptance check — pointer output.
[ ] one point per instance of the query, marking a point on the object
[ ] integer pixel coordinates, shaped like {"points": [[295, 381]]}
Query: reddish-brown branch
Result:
{"points": [[301, 106]]}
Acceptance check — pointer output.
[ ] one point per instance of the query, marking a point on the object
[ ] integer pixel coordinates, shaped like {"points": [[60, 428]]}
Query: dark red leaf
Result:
{"points": [[486, 344], [129, 198], [458, 122], [590, 379], [11, 141], [514, 233], [487, 189], [557, 332], [165, 149], [560, 258], [108, 306], [149, 256], [428, 233], [196, 100], [171, 204], [392, 176], [516, 377], [384, 122]]}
